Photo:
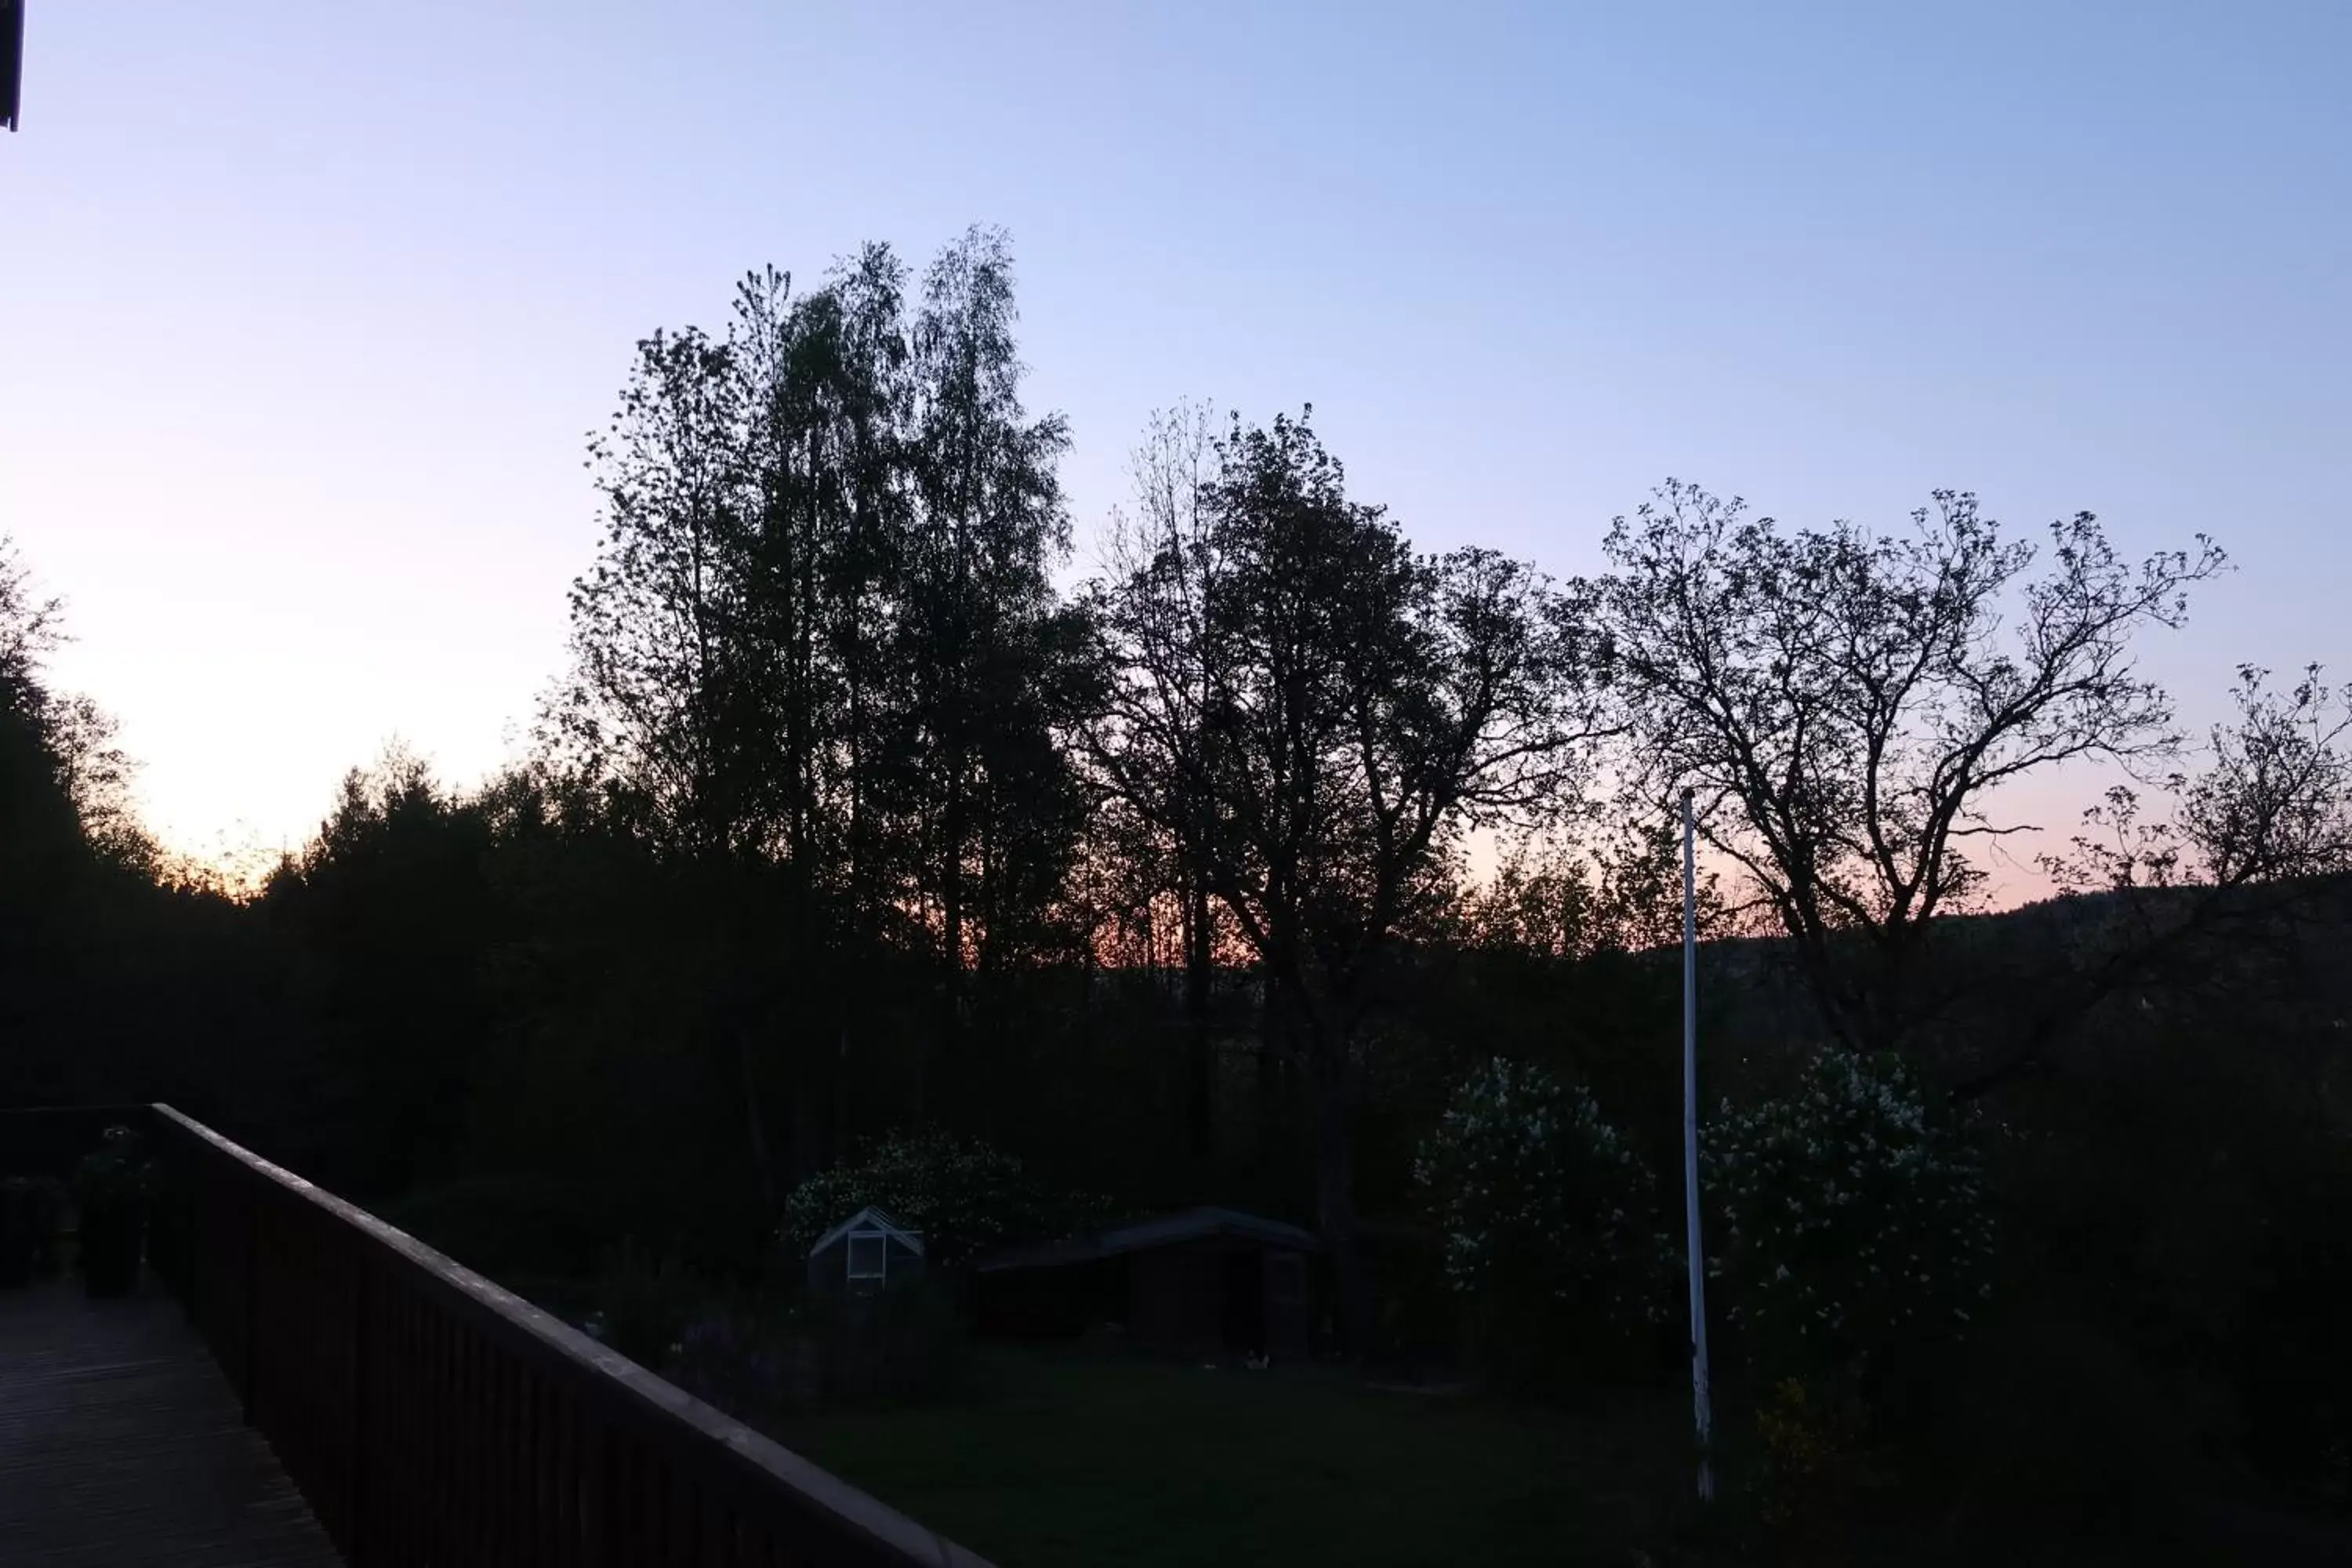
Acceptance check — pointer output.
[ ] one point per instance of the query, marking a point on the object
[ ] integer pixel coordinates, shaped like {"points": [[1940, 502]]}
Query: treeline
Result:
{"points": [[843, 819]]}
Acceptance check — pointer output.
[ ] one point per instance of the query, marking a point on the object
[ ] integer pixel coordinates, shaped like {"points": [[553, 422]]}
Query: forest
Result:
{"points": [[1284, 866]]}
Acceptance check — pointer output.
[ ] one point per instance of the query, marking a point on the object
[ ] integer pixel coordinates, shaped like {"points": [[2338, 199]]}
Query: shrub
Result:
{"points": [[961, 1196], [2062, 1412], [748, 1365], [51, 1200], [904, 1343], [644, 1304], [1805, 1443], [19, 1229], [1848, 1225], [115, 1174], [111, 1187], [1548, 1214]]}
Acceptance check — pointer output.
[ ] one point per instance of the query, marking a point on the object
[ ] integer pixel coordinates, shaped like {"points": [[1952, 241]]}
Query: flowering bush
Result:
{"points": [[961, 1196], [1547, 1211], [1847, 1222]]}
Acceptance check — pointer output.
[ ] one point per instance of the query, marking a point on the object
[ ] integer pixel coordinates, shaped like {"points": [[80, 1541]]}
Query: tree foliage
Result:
{"points": [[1316, 714], [1851, 705], [961, 1196], [1619, 892]]}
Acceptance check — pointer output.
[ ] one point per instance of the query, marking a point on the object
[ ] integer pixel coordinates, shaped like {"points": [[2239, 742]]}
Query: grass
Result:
{"points": [[1063, 1456], [1055, 1457]]}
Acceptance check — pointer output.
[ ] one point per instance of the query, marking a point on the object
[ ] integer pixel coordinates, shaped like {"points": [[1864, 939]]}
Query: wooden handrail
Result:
{"points": [[430, 1416]]}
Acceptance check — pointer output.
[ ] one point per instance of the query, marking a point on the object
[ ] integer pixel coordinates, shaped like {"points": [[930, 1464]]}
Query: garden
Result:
{"points": [[1878, 1397]]}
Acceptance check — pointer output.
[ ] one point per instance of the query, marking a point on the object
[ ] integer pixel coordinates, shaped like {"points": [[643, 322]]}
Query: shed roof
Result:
{"points": [[1187, 1225], [867, 1221]]}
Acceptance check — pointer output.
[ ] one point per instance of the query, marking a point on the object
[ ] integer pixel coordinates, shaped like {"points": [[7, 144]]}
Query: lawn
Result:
{"points": [[1060, 1457]]}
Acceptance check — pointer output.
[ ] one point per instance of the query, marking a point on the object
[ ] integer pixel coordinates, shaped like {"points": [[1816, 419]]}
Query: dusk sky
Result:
{"points": [[308, 308]]}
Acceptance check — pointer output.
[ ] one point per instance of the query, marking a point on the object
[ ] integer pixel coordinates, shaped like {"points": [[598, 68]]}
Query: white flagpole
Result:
{"points": [[1700, 1401]]}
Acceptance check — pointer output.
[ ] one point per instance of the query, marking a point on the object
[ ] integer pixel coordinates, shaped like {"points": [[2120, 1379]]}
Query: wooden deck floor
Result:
{"points": [[121, 1445]]}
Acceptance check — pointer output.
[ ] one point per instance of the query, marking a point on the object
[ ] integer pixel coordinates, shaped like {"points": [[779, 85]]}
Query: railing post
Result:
{"points": [[357, 1550], [595, 1493], [252, 1206], [189, 1243]]}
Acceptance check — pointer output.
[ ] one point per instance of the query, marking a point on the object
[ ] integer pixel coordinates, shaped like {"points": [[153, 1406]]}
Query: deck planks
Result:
{"points": [[121, 1445]]}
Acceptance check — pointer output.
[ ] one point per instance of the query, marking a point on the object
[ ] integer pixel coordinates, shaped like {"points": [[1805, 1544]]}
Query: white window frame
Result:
{"points": [[849, 1249]]}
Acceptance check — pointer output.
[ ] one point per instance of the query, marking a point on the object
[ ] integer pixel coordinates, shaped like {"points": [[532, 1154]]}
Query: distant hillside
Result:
{"points": [[1999, 975]]}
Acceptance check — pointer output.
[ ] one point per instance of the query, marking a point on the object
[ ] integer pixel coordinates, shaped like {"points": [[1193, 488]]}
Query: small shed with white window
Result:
{"points": [[864, 1254]]}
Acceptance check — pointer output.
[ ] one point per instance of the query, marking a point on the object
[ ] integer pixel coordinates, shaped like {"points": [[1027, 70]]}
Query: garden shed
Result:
{"points": [[1202, 1279], [864, 1254]]}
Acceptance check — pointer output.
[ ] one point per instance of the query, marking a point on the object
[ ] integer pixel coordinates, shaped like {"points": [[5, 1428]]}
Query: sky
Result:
{"points": [[306, 311]]}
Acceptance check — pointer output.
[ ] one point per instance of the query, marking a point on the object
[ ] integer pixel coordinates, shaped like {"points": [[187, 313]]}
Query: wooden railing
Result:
{"points": [[430, 1417]]}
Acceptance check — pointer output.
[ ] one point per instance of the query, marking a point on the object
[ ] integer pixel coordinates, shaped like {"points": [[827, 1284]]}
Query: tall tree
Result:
{"points": [[41, 847], [706, 684], [663, 692], [820, 637], [1849, 705], [826, 400], [65, 782], [1319, 730], [37, 805], [390, 905], [976, 643], [1168, 555]]}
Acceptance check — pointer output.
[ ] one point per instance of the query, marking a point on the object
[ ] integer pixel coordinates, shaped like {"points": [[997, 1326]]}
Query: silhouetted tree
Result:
{"points": [[2258, 835], [390, 901], [1318, 731], [977, 789], [1620, 892], [1167, 552], [37, 799], [1848, 706]]}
